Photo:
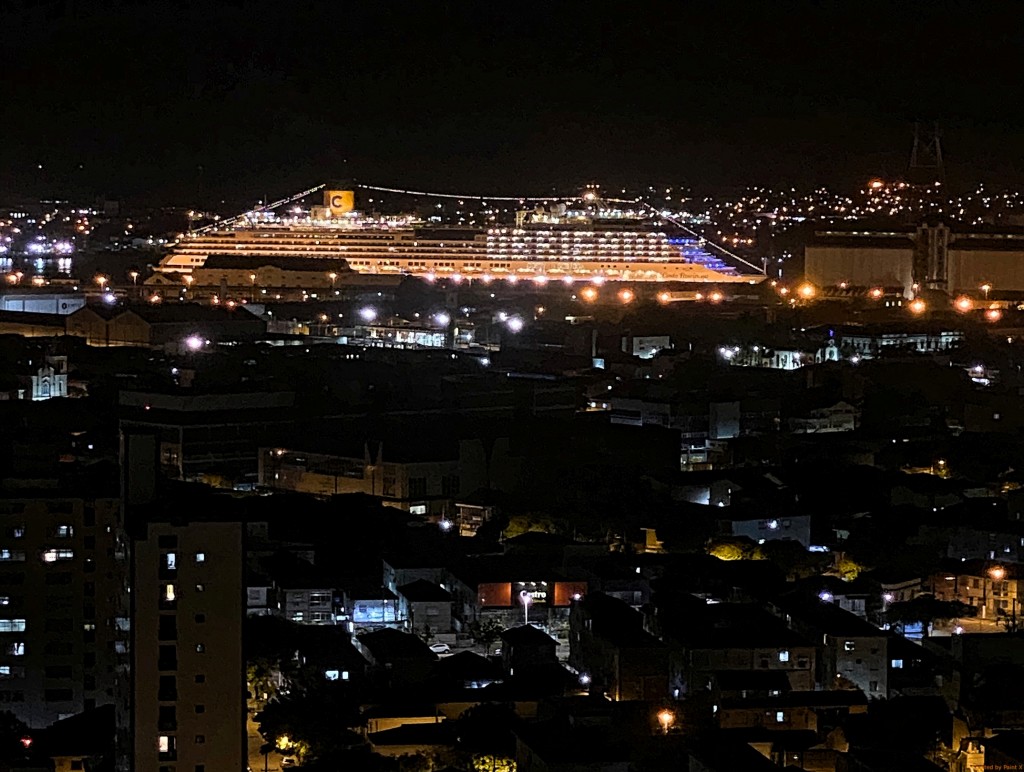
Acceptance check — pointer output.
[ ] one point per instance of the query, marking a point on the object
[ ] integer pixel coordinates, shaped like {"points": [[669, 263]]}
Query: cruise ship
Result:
{"points": [[549, 243]]}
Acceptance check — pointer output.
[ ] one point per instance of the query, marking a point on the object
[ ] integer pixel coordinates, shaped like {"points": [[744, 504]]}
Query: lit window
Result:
{"points": [[16, 649], [5, 670], [163, 743], [344, 675], [65, 531], [200, 588], [18, 532], [171, 561], [12, 625], [200, 557], [783, 656], [849, 646], [200, 648], [780, 716], [5, 600], [52, 556], [17, 556], [897, 664], [332, 675], [169, 592]]}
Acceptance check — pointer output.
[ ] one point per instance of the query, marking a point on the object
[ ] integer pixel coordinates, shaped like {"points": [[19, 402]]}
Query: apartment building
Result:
{"points": [[63, 603], [188, 670]]}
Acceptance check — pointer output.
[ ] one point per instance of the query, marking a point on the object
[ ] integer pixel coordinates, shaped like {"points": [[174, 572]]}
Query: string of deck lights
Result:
{"points": [[589, 196]]}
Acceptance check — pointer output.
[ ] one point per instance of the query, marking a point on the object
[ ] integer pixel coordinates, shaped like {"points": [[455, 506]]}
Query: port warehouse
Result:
{"points": [[932, 256]]}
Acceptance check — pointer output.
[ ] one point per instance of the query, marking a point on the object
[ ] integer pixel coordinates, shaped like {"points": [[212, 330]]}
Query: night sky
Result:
{"points": [[191, 102]]}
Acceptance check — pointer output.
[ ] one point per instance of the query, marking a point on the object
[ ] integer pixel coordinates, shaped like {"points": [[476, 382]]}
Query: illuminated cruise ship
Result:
{"points": [[546, 244]]}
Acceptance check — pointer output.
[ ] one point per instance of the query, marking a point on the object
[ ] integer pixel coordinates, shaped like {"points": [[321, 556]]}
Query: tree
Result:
{"points": [[731, 549], [789, 557], [12, 731], [485, 731], [848, 568], [427, 633], [485, 632], [927, 609], [311, 724]]}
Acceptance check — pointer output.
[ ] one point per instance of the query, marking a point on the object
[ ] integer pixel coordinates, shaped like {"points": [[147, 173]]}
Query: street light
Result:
{"points": [[986, 288], [666, 718], [526, 600], [998, 573], [135, 277]]}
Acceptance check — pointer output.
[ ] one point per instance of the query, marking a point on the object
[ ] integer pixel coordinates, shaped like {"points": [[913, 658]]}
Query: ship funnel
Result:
{"points": [[339, 202]]}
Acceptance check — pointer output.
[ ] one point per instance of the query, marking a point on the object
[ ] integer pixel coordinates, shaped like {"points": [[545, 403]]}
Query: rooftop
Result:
{"points": [[527, 635], [388, 645], [422, 591]]}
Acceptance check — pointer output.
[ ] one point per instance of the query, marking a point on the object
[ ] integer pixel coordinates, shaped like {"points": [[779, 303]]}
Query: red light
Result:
{"points": [[26, 742]]}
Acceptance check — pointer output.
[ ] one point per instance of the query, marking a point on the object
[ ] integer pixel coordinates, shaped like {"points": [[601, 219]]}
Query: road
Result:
{"points": [[256, 759]]}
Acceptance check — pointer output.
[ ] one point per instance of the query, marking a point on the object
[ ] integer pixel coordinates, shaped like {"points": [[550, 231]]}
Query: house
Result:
{"points": [[790, 710], [784, 526], [706, 639], [468, 670], [396, 658], [853, 651], [81, 742], [609, 646], [367, 604], [839, 417], [994, 590], [423, 607], [413, 739], [410, 565], [525, 648], [304, 594]]}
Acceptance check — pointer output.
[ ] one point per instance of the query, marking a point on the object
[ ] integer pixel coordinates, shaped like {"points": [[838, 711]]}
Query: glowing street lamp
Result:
{"points": [[963, 304], [997, 573], [993, 315], [806, 290], [333, 277], [135, 277], [368, 314], [986, 288], [626, 296], [666, 718], [918, 306], [876, 293], [101, 280], [526, 600]]}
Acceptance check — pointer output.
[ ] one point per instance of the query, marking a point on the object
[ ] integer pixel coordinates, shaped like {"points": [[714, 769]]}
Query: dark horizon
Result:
{"points": [[155, 103]]}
